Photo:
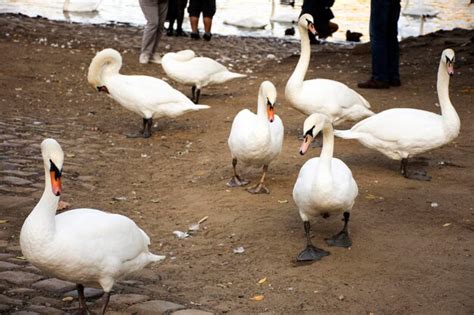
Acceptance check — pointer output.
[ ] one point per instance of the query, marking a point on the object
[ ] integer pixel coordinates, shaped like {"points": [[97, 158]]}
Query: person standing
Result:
{"points": [[208, 9], [176, 13], [384, 46], [322, 14], [155, 15]]}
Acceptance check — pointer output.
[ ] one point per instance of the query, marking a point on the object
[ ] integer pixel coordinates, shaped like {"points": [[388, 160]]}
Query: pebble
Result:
{"points": [[54, 285], [154, 307], [19, 277], [7, 300]]}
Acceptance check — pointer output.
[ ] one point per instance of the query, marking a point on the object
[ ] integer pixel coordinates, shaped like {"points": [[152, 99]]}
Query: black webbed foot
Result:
{"points": [[259, 189], [341, 239], [236, 181], [311, 253]]}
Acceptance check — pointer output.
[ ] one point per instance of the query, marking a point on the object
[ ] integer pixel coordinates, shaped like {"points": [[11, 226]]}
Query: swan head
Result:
{"points": [[269, 93], [306, 21], [311, 127], [447, 57], [108, 61], [53, 158]]}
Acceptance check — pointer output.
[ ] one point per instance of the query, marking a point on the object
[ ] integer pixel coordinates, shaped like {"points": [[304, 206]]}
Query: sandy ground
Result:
{"points": [[412, 241]]}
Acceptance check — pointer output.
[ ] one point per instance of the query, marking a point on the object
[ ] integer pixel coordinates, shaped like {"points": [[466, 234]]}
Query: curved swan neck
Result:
{"points": [[106, 65], [44, 212], [449, 114], [261, 105], [327, 151], [302, 66]]}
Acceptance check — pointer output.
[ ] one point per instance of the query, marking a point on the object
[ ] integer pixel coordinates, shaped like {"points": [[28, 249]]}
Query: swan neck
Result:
{"points": [[106, 66], [442, 86], [303, 62], [328, 143], [45, 210], [261, 105]]}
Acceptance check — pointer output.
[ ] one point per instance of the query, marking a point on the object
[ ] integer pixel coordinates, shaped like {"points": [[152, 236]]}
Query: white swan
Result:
{"points": [[401, 133], [419, 11], [324, 185], [147, 96], [332, 98], [284, 17], [86, 246], [256, 139], [81, 5], [184, 67], [251, 22]]}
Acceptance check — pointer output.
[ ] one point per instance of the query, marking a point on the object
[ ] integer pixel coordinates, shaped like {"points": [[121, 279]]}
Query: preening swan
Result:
{"points": [[256, 139], [332, 98], [401, 133], [147, 96], [325, 185], [86, 246], [184, 67]]}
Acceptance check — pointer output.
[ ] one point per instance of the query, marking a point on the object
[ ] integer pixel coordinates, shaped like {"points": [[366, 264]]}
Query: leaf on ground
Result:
{"points": [[3, 221], [446, 224], [262, 280], [68, 299], [257, 298], [282, 201]]}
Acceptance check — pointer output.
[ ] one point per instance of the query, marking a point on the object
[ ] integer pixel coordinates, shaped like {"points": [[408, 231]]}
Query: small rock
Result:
{"points": [[191, 312], [4, 256], [12, 180], [54, 285], [154, 307], [19, 277], [341, 297], [239, 250], [25, 313], [89, 293], [127, 299], [8, 266], [45, 310], [46, 301], [21, 291], [7, 300]]}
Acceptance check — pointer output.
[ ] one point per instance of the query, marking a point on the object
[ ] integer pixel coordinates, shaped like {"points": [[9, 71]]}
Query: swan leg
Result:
{"points": [[416, 175], [260, 188], [82, 299], [193, 90], [341, 239], [198, 94], [147, 131], [105, 302], [311, 252], [236, 180]]}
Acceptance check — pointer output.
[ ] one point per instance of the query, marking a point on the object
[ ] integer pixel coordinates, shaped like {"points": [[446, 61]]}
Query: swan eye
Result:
{"points": [[309, 22], [54, 168], [309, 132]]}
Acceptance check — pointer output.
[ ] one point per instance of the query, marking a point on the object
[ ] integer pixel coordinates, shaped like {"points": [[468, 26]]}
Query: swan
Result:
{"points": [[147, 96], [81, 5], [325, 185], [401, 133], [419, 11], [332, 98], [256, 139], [251, 22], [284, 17], [184, 67], [86, 246]]}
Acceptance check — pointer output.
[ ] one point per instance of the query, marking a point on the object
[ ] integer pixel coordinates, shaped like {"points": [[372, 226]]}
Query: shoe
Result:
{"points": [[156, 58], [207, 36], [195, 35], [144, 58], [181, 33], [373, 84], [395, 82], [169, 32]]}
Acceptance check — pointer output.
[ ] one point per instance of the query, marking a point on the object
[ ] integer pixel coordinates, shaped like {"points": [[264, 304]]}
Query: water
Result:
{"points": [[350, 14]]}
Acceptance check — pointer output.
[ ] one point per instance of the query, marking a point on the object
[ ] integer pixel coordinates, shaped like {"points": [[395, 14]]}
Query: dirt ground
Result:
{"points": [[412, 241]]}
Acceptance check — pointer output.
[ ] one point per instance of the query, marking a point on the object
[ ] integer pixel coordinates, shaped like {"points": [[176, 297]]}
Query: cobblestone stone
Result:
{"points": [[19, 277], [154, 307], [54, 285]]}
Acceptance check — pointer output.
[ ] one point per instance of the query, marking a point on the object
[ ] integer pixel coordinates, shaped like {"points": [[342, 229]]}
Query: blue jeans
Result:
{"points": [[384, 16]]}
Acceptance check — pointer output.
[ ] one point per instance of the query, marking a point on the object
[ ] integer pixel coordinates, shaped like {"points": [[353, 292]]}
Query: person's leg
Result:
{"points": [[194, 11], [162, 11], [181, 5], [171, 16], [379, 19], [209, 9], [150, 11], [333, 27], [379, 10], [393, 46]]}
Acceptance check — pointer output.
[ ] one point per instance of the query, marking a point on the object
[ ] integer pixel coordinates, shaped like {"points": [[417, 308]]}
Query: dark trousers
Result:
{"points": [[384, 16]]}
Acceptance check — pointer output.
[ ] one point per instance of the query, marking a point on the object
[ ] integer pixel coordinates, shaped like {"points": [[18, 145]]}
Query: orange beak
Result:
{"points": [[55, 183], [305, 145], [270, 113]]}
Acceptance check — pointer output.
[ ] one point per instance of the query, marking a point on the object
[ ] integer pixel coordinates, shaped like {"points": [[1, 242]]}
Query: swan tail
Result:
{"points": [[346, 134], [199, 107], [224, 76], [154, 257]]}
